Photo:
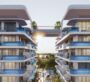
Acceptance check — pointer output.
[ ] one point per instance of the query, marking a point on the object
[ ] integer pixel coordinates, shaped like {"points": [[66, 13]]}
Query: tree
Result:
{"points": [[34, 25], [49, 63], [58, 25], [57, 78]]}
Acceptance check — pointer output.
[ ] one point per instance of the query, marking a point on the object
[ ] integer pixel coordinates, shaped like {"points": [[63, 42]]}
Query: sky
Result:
{"points": [[45, 13]]}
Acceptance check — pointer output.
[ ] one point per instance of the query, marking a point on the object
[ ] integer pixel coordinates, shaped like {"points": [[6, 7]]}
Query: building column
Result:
{"points": [[2, 26], [75, 65], [17, 25], [17, 79], [76, 79]]}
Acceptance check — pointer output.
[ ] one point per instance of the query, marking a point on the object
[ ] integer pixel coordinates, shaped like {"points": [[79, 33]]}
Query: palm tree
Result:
{"points": [[57, 25], [34, 25]]}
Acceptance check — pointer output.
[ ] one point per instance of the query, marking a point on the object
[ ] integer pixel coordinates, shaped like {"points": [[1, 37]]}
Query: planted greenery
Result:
{"points": [[34, 25], [58, 25], [49, 63]]}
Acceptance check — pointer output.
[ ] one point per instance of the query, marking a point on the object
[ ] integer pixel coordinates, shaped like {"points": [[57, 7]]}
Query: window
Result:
{"points": [[84, 65], [10, 26]]}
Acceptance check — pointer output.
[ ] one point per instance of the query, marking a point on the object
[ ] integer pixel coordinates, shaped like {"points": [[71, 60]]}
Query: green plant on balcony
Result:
{"points": [[34, 25], [57, 25], [57, 78]]}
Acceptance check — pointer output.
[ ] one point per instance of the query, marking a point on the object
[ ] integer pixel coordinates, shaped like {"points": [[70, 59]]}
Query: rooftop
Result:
{"points": [[14, 11], [77, 11]]}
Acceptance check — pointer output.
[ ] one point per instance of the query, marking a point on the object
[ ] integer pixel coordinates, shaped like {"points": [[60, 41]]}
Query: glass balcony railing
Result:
{"points": [[80, 71], [74, 57], [81, 58], [30, 73], [25, 30], [17, 43], [80, 44], [16, 57], [20, 29], [63, 74], [12, 57], [12, 71], [71, 29]]}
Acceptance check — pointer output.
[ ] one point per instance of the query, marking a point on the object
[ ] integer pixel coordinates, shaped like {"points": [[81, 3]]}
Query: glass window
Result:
{"points": [[10, 26], [84, 65]]}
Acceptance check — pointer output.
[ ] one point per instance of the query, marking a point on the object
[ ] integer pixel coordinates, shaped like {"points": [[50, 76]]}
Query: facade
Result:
{"points": [[73, 58], [17, 48]]}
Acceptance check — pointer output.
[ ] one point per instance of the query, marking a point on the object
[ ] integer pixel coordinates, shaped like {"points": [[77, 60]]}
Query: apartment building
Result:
{"points": [[73, 57], [17, 48]]}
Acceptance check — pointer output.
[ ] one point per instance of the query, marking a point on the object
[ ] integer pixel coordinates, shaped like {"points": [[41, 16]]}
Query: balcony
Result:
{"points": [[16, 58], [80, 58], [59, 68], [24, 30], [64, 75], [19, 29], [62, 65], [17, 43], [83, 72], [13, 57], [12, 72], [79, 44], [30, 73], [74, 44], [69, 29], [58, 61], [73, 58]]}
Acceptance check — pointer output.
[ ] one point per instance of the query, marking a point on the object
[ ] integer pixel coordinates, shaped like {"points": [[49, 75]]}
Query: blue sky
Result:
{"points": [[46, 12]]}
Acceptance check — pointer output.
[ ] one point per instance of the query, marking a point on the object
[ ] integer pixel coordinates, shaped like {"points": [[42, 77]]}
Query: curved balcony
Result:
{"points": [[33, 74], [12, 72], [69, 29], [30, 73], [83, 72], [64, 75], [25, 30], [79, 44]]}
